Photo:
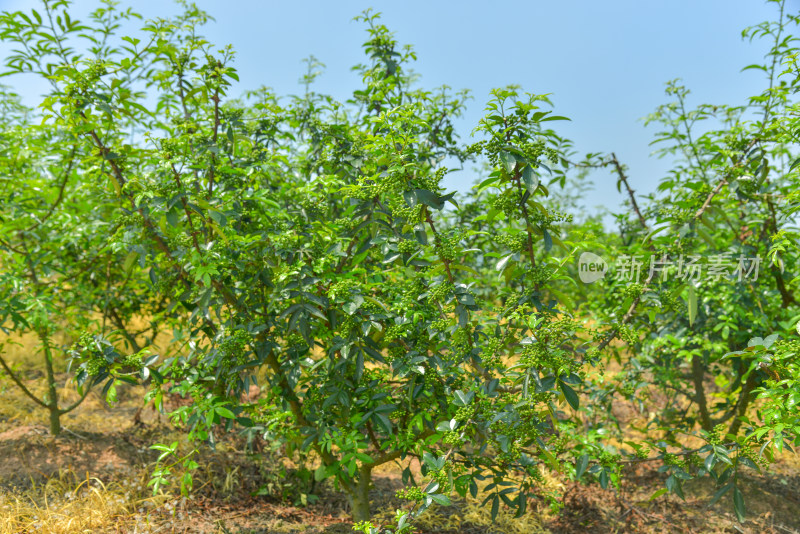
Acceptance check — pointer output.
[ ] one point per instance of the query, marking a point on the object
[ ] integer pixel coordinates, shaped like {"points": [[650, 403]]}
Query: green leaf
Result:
{"points": [[130, 261], [719, 493], [463, 399], [441, 499], [508, 160], [658, 494], [706, 237], [224, 412], [570, 395], [744, 460], [429, 198], [186, 483], [581, 465], [173, 217], [487, 183], [529, 179], [430, 460], [504, 261], [555, 118], [218, 217], [738, 504], [548, 240], [421, 234]]}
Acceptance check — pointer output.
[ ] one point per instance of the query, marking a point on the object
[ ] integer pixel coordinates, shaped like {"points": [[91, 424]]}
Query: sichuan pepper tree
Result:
{"points": [[309, 241], [710, 320], [68, 274], [61, 274]]}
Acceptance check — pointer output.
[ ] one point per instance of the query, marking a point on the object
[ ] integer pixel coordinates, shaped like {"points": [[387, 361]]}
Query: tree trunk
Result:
{"points": [[359, 496], [744, 402], [52, 393], [55, 420], [698, 374]]}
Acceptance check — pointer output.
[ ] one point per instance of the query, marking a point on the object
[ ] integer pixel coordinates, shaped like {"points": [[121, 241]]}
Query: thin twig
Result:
{"points": [[624, 179]]}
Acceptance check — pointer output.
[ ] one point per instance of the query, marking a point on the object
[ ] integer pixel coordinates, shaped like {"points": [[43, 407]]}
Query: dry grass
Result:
{"points": [[67, 504], [469, 514]]}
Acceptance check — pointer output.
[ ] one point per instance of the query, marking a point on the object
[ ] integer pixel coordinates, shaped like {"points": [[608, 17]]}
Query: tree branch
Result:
{"points": [[19, 383]]}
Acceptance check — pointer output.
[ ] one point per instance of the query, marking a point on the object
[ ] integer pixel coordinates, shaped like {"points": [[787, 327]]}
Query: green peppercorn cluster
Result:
{"points": [[461, 340], [627, 389], [448, 247], [674, 460], [440, 324], [512, 307], [86, 79], [785, 351], [312, 206], [675, 214], [86, 350], [165, 188], [514, 448], [347, 224], [130, 219], [95, 360], [395, 352], [464, 413], [531, 411], [541, 356], [295, 340], [454, 439], [526, 152], [407, 246], [402, 211], [441, 291], [286, 240], [405, 295], [642, 451], [695, 460], [746, 451], [633, 290], [234, 346], [715, 437], [545, 352], [609, 459], [410, 494], [167, 283], [539, 274], [627, 333], [546, 220], [491, 351], [342, 289], [395, 331], [514, 243], [443, 478], [180, 240], [670, 301], [509, 202]]}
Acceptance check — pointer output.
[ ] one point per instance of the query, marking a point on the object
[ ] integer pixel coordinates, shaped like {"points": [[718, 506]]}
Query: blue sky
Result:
{"points": [[604, 63]]}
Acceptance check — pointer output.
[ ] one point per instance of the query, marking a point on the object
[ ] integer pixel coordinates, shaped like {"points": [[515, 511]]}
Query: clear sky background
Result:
{"points": [[605, 63]]}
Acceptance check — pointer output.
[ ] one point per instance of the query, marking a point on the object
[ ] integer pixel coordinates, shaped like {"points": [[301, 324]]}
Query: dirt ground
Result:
{"points": [[94, 478]]}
